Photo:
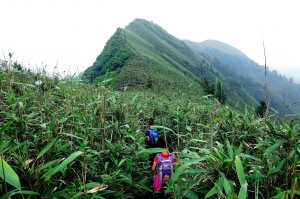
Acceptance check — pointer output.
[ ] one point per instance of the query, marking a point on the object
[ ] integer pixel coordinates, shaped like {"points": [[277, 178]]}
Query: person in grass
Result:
{"points": [[151, 138], [164, 162], [151, 134]]}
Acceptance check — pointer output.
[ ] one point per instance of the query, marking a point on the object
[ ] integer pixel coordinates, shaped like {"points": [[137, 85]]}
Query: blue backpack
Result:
{"points": [[153, 135]]}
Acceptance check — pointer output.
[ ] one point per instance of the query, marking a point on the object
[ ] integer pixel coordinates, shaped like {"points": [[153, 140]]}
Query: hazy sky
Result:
{"points": [[72, 33]]}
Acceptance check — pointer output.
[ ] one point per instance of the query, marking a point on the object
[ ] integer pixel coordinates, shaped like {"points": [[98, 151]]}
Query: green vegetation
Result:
{"points": [[73, 139], [238, 68], [160, 62], [70, 139], [261, 109], [114, 56], [145, 56], [215, 90]]}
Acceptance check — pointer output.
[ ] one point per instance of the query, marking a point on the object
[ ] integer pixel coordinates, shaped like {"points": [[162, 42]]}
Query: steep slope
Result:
{"points": [[232, 63], [114, 56], [231, 58], [123, 65], [145, 56]]}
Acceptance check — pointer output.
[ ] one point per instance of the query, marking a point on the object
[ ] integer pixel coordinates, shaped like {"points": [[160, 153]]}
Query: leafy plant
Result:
{"points": [[64, 139]]}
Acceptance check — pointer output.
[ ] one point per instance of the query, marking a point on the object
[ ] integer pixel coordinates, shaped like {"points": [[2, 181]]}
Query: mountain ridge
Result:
{"points": [[241, 66], [145, 56]]}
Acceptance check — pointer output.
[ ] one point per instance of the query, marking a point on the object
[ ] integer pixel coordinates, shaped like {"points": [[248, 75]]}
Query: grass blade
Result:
{"points": [[24, 192], [271, 149], [151, 150], [45, 149], [8, 174], [243, 191], [277, 168], [229, 148], [176, 175], [191, 195], [5, 127], [227, 188], [135, 98], [72, 136], [212, 192], [62, 165], [163, 127], [240, 170]]}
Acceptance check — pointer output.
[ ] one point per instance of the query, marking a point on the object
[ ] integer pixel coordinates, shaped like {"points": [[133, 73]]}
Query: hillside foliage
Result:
{"points": [[70, 139], [237, 67], [159, 61], [144, 55]]}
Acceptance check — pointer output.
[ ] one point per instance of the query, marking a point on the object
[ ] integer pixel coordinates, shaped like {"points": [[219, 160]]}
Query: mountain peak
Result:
{"points": [[145, 56], [142, 21], [139, 25]]}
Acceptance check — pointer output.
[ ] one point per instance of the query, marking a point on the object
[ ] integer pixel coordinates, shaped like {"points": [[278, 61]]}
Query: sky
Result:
{"points": [[70, 34]]}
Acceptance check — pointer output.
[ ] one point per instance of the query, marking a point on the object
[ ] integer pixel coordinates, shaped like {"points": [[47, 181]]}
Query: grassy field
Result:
{"points": [[69, 139]]}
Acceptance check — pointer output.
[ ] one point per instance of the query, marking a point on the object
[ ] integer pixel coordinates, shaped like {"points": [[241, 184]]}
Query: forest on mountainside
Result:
{"points": [[144, 56], [235, 65]]}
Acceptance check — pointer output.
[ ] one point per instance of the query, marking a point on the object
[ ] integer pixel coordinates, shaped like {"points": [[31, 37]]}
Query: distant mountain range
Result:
{"points": [[145, 56]]}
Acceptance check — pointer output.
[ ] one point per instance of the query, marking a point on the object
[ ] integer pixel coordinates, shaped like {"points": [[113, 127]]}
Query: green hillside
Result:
{"points": [[151, 58], [234, 64], [71, 139], [121, 65]]}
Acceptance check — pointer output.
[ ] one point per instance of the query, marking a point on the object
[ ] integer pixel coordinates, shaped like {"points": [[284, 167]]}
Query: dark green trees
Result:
{"points": [[219, 92], [216, 90], [261, 109], [116, 52]]}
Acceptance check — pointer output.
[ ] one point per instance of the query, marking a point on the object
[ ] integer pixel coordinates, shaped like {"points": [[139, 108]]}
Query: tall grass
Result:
{"points": [[68, 139]]}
